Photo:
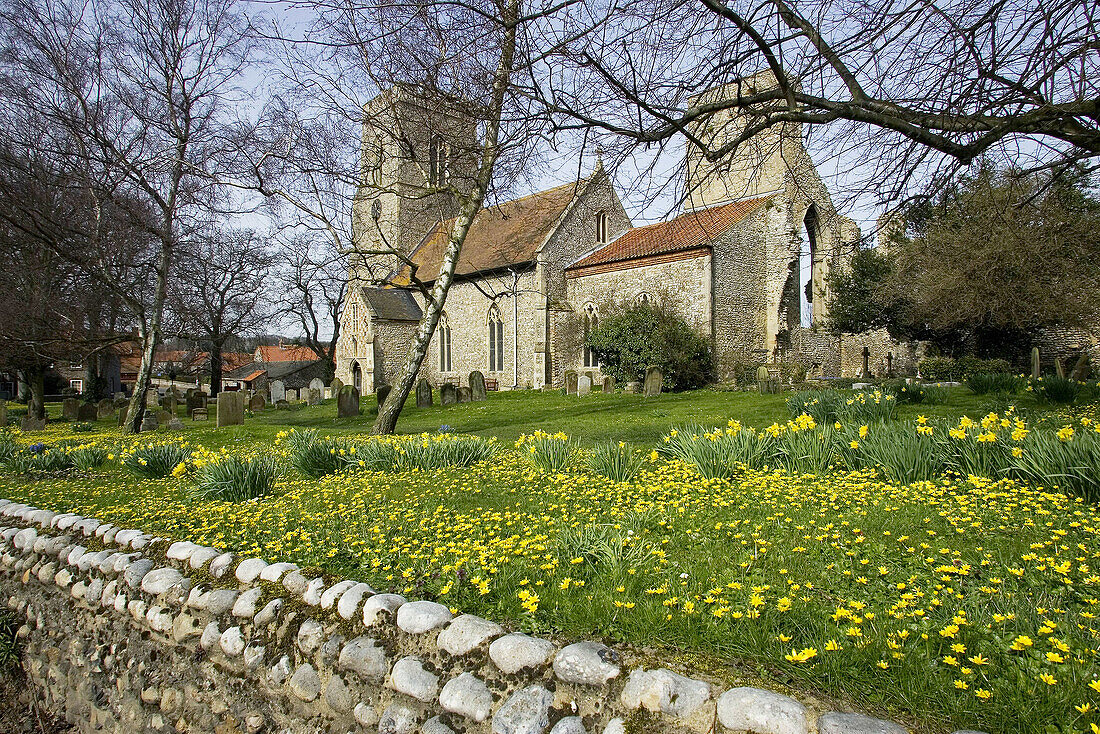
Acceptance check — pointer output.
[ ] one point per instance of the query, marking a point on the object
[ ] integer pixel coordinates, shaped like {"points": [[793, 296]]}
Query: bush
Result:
{"points": [[1054, 389], [946, 369], [616, 461], [627, 341], [551, 453], [983, 383], [155, 461], [229, 478]]}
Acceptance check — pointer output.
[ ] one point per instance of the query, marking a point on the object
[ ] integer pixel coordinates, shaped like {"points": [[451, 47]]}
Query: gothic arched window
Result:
{"points": [[438, 153], [496, 340], [643, 299], [379, 157], [601, 227], [353, 317], [444, 332], [591, 321]]}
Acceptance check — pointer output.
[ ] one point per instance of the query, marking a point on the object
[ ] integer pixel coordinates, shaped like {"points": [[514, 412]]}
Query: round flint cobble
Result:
{"points": [[766, 712], [586, 663], [418, 617]]}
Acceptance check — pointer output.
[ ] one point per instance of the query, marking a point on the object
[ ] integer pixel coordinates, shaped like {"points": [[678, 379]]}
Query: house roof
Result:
{"points": [[501, 235], [288, 353], [392, 304], [685, 232], [253, 375]]}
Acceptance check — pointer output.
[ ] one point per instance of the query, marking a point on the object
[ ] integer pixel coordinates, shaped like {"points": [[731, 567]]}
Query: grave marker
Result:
{"points": [[477, 385], [423, 393], [70, 409], [314, 397], [570, 382], [230, 409], [347, 402], [584, 385], [278, 391], [654, 380], [257, 403], [608, 384], [464, 395], [448, 394], [87, 412]]}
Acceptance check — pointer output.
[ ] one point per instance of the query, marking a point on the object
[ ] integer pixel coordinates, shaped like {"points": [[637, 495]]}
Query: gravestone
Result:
{"points": [[347, 402], [282, 405], [175, 424], [197, 399], [164, 417], [584, 385], [865, 374], [317, 384], [653, 381], [122, 402], [448, 394], [149, 421], [465, 395], [200, 414], [1081, 367], [230, 409], [423, 393], [292, 394], [257, 403], [105, 407], [608, 385], [633, 387], [3, 413], [87, 412], [32, 424], [1058, 368], [122, 411], [1035, 363], [477, 385], [336, 384], [889, 364], [327, 393], [314, 397], [570, 382], [278, 391], [189, 392], [119, 396], [152, 397], [70, 409], [168, 402]]}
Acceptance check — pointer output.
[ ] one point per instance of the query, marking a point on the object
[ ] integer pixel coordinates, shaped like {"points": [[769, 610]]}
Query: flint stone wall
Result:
{"points": [[124, 632]]}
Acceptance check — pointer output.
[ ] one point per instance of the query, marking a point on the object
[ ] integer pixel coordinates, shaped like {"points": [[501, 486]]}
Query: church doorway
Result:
{"points": [[357, 377]]}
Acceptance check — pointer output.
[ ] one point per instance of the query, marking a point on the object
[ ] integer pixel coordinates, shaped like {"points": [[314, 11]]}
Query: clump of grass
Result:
{"points": [[439, 451], [602, 547], [155, 461], [44, 461], [88, 456], [550, 452], [9, 641], [720, 453], [616, 461], [232, 479], [984, 383], [916, 393], [315, 455], [8, 446], [1060, 390], [807, 451]]}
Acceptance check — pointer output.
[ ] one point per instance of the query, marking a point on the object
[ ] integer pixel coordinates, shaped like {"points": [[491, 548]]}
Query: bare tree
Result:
{"points": [[127, 98], [904, 90], [310, 284], [221, 291]]}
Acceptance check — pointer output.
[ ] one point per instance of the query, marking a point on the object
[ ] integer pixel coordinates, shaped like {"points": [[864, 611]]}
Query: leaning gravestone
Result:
{"points": [[584, 385], [169, 402], [282, 405], [1081, 367], [653, 381], [122, 411], [230, 409], [477, 385], [152, 398], [257, 403], [381, 394], [464, 395], [1058, 368], [87, 412], [105, 408], [122, 402], [278, 391], [570, 382], [149, 421], [423, 393], [293, 394], [608, 384], [164, 417], [448, 394], [70, 409], [347, 402], [336, 384], [175, 424], [314, 397], [633, 387], [317, 384], [32, 424]]}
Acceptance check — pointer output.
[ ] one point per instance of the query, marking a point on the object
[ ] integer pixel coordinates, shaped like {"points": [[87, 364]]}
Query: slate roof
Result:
{"points": [[685, 232], [293, 374], [501, 235], [392, 304]]}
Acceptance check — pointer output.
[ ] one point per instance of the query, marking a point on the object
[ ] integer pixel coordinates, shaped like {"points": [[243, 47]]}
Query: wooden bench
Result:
{"points": [[200, 414], [491, 386]]}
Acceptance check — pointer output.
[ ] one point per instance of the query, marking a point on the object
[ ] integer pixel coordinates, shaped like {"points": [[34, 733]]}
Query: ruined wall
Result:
{"points": [[879, 343], [123, 633]]}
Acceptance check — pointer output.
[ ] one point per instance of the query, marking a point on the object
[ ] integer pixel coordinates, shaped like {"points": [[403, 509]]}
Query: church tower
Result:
{"points": [[418, 158]]}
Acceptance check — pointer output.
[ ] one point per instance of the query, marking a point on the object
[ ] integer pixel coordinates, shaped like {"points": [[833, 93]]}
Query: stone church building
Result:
{"points": [[745, 262]]}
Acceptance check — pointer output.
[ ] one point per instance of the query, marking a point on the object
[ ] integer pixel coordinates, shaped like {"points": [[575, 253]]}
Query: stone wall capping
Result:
{"points": [[415, 667]]}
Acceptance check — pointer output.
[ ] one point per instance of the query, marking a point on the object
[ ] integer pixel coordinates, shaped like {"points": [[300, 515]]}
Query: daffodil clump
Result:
{"points": [[958, 601]]}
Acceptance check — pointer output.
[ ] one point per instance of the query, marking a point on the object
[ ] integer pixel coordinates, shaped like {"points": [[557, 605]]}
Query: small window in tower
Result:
{"points": [[437, 161], [591, 322], [353, 317], [379, 155], [601, 228]]}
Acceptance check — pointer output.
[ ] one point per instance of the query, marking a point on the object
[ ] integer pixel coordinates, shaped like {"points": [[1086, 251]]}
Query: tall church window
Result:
{"points": [[378, 155], [444, 332], [353, 317], [438, 153], [591, 321], [601, 228], [643, 299], [496, 340], [806, 275]]}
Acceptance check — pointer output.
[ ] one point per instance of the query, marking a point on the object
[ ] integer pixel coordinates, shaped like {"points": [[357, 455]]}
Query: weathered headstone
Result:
{"points": [[257, 403], [423, 393], [164, 417], [336, 384], [175, 424], [477, 385], [317, 384], [200, 414], [382, 393], [230, 409], [168, 402], [105, 408], [465, 395], [122, 412], [1058, 368], [327, 393], [608, 384], [1081, 367], [654, 379], [1035, 363], [149, 421], [633, 387], [87, 412], [32, 424], [570, 382], [278, 390], [3, 413], [152, 398], [282, 405], [314, 397], [122, 402], [448, 394], [119, 396], [70, 409], [584, 385], [196, 399], [293, 394], [347, 402], [866, 372]]}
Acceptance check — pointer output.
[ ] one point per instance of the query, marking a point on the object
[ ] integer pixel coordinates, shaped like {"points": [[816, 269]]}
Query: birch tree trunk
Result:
{"points": [[389, 411]]}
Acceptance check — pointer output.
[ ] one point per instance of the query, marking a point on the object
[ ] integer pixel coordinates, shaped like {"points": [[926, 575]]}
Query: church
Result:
{"points": [[745, 261]]}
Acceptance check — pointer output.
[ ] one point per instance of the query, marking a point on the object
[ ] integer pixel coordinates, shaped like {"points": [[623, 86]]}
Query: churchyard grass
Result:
{"points": [[952, 602]]}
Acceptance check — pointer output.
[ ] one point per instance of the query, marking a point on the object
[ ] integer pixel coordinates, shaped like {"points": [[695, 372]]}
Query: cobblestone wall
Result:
{"points": [[124, 632]]}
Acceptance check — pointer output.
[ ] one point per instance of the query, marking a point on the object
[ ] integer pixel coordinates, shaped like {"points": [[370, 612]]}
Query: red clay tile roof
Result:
{"points": [[252, 376], [290, 353], [501, 235], [685, 232]]}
